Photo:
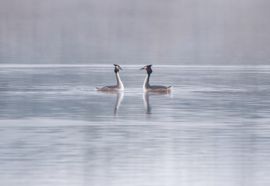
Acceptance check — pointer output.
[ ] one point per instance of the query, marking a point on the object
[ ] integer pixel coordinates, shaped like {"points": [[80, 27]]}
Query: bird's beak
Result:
{"points": [[120, 68], [142, 68]]}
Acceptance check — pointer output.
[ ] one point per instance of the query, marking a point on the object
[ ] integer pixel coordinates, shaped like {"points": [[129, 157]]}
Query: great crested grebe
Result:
{"points": [[153, 88], [119, 86]]}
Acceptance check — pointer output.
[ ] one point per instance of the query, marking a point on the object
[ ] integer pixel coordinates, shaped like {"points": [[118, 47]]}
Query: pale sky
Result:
{"points": [[180, 32]]}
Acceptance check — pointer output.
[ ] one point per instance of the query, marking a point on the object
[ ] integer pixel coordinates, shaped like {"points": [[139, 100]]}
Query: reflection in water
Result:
{"points": [[119, 99], [146, 100]]}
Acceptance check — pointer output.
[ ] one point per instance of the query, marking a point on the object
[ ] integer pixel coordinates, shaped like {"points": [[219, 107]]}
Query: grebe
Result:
{"points": [[119, 86], [153, 88]]}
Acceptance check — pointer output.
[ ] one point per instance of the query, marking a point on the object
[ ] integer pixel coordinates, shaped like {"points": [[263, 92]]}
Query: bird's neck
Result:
{"points": [[146, 84], [119, 82]]}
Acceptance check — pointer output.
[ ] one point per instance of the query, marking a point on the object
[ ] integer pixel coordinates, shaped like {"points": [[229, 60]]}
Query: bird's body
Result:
{"points": [[119, 86], [153, 88]]}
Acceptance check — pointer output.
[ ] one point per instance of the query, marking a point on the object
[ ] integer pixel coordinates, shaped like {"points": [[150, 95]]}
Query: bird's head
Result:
{"points": [[147, 68], [117, 68]]}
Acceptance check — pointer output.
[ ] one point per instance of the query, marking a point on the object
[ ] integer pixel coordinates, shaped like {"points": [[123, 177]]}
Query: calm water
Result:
{"points": [[55, 129]]}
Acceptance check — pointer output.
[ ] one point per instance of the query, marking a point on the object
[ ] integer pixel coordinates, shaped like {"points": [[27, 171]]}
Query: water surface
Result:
{"points": [[213, 129]]}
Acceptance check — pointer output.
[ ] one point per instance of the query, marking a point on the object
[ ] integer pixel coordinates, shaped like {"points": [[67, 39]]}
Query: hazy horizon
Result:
{"points": [[186, 32]]}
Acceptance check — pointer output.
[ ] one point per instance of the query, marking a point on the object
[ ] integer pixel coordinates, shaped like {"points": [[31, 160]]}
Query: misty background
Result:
{"points": [[192, 32]]}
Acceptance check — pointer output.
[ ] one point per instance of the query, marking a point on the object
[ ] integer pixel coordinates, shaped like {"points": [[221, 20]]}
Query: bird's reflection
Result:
{"points": [[146, 100], [119, 99]]}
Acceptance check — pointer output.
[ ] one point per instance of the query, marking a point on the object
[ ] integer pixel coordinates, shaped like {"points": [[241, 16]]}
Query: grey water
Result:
{"points": [[56, 129]]}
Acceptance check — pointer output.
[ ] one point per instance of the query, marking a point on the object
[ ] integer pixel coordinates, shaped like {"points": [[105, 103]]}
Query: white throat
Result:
{"points": [[119, 82], [146, 84]]}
